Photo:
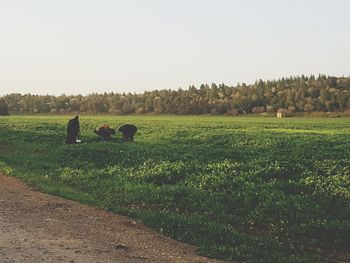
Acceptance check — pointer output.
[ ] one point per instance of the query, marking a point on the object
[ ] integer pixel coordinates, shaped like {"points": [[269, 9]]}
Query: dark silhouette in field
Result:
{"points": [[128, 131], [73, 129], [105, 132]]}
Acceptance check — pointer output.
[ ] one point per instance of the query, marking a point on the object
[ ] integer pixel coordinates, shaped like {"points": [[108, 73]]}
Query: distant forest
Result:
{"points": [[294, 94]]}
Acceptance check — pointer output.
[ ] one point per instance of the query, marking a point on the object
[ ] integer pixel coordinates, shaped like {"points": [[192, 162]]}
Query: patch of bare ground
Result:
{"points": [[36, 227]]}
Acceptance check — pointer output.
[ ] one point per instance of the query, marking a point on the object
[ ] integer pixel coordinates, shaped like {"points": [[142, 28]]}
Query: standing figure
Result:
{"points": [[105, 132], [128, 131], [73, 129]]}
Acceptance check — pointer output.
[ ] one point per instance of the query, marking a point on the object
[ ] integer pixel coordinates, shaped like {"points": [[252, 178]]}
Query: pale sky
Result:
{"points": [[85, 46]]}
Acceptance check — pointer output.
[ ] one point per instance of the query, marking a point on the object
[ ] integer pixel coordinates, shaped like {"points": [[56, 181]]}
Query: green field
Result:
{"points": [[239, 188]]}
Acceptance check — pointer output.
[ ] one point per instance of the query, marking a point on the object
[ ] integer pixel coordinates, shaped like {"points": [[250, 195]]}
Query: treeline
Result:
{"points": [[294, 94]]}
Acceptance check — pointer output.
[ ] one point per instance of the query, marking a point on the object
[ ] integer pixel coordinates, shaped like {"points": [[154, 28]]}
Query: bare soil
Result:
{"points": [[36, 227]]}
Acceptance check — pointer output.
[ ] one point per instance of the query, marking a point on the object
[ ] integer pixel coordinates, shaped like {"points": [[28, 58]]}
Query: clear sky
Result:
{"points": [[85, 46]]}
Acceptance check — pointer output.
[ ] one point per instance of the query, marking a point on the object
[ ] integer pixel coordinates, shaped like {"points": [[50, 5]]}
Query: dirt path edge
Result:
{"points": [[37, 227]]}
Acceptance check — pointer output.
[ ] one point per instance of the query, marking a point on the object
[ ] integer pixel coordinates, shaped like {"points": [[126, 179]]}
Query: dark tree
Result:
{"points": [[4, 111]]}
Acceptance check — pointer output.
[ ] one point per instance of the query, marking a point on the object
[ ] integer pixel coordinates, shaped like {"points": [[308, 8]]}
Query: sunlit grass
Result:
{"points": [[244, 188]]}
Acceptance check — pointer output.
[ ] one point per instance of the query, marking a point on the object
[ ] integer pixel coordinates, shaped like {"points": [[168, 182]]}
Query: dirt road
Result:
{"points": [[36, 227]]}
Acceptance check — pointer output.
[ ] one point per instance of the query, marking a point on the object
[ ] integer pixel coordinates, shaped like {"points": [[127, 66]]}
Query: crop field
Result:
{"points": [[246, 189]]}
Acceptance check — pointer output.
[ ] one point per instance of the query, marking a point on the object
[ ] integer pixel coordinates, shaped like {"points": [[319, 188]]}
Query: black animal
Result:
{"points": [[73, 129], [128, 131], [105, 132]]}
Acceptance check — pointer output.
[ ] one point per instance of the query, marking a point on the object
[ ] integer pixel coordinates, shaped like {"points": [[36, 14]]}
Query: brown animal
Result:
{"points": [[128, 131], [105, 132]]}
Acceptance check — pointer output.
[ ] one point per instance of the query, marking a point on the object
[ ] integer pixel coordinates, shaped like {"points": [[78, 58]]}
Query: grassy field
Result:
{"points": [[245, 189]]}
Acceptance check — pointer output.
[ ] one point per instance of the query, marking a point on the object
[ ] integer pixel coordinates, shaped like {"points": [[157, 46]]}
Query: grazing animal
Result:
{"points": [[105, 132], [73, 129], [128, 131]]}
